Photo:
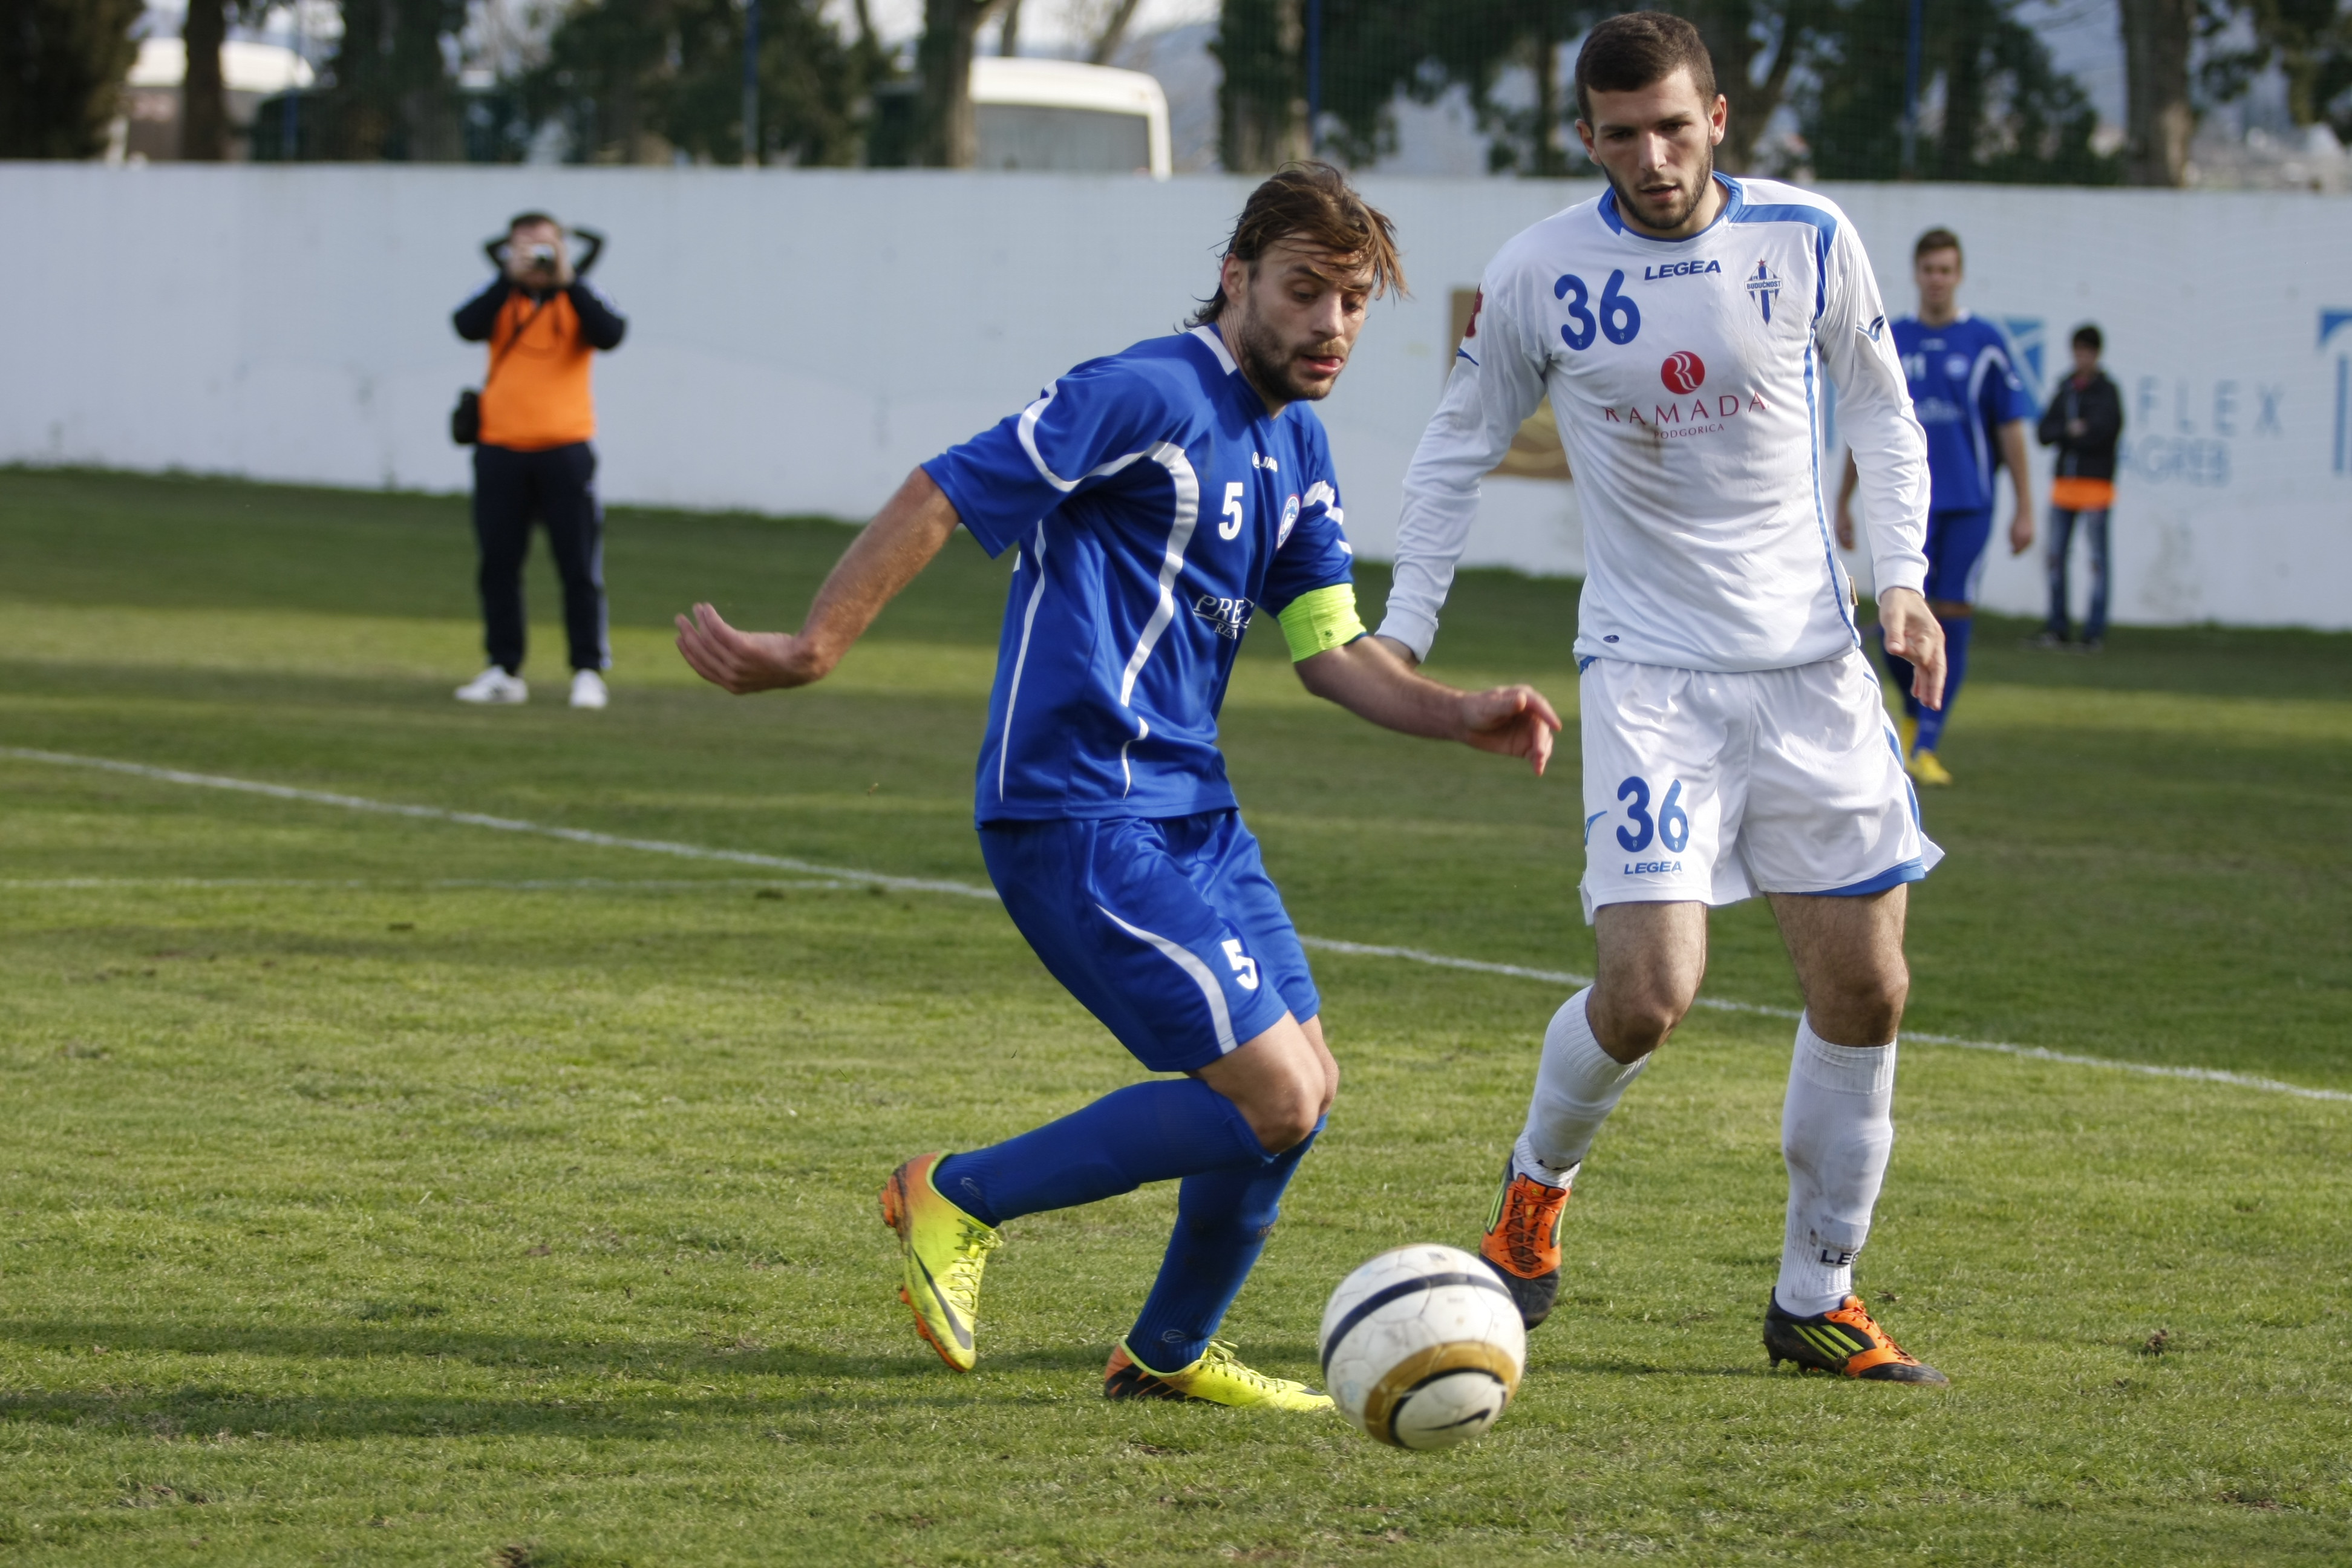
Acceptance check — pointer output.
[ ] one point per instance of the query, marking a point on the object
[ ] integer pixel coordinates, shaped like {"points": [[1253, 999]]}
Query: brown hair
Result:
{"points": [[520, 220], [1313, 205], [1938, 239], [1638, 49]]}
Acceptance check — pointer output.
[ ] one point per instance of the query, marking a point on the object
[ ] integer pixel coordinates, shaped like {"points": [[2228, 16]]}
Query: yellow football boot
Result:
{"points": [[944, 1250], [1924, 767], [1217, 1378]]}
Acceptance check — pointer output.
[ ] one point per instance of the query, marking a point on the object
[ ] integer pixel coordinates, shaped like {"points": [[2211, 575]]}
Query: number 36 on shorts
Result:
{"points": [[1669, 828]]}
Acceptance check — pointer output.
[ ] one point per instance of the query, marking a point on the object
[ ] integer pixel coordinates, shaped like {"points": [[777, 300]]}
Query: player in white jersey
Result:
{"points": [[1735, 740]]}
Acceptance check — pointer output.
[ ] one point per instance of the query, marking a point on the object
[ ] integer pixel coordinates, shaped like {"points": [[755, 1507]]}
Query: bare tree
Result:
{"points": [[1113, 34], [2159, 120]]}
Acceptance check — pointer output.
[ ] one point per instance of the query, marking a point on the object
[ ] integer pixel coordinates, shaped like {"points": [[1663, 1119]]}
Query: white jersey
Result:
{"points": [[1686, 379]]}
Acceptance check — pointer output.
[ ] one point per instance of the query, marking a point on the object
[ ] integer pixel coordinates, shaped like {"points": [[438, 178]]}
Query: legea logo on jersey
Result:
{"points": [[1682, 373], [1230, 616], [1764, 287]]}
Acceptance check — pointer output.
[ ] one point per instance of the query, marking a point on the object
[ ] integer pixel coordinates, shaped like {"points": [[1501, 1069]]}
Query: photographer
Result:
{"points": [[532, 458]]}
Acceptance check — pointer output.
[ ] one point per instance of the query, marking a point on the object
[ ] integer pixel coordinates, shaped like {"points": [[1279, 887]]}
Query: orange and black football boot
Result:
{"points": [[1845, 1340], [1522, 1242]]}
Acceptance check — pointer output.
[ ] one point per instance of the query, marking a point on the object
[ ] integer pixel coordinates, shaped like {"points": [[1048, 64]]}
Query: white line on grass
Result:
{"points": [[502, 824], [972, 890]]}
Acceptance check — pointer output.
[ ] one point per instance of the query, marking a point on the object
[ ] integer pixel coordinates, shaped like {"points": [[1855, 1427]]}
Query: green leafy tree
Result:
{"points": [[2008, 114], [62, 66], [2309, 42], [390, 94], [640, 81], [1425, 48], [1262, 98]]}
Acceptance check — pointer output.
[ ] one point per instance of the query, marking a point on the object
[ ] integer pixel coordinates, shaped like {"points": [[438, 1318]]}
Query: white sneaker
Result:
{"points": [[494, 685], [588, 689]]}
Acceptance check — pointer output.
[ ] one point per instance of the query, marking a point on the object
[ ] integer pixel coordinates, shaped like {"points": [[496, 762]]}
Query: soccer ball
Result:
{"points": [[1423, 1347]]}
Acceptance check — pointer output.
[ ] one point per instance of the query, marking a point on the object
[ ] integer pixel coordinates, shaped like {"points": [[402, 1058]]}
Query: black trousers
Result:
{"points": [[557, 486]]}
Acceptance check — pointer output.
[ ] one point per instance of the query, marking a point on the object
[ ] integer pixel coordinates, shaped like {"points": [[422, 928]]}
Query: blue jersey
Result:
{"points": [[1964, 388], [1156, 509]]}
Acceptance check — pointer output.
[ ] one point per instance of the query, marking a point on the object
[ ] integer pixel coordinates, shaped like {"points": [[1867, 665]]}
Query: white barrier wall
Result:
{"points": [[799, 339]]}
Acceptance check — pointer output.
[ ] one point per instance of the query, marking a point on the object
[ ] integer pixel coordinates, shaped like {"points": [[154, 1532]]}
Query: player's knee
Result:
{"points": [[1868, 1008], [1284, 1113], [1635, 1019], [1286, 1126]]}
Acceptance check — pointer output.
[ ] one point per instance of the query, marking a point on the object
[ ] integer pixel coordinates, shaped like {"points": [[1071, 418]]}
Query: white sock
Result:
{"points": [[1837, 1128], [1577, 1085]]}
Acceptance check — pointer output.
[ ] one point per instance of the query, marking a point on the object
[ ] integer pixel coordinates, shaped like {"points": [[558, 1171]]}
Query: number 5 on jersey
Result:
{"points": [[1244, 966], [1231, 526]]}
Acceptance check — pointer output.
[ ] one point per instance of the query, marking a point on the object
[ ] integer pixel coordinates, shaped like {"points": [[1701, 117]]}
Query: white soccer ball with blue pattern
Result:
{"points": [[1423, 1347]]}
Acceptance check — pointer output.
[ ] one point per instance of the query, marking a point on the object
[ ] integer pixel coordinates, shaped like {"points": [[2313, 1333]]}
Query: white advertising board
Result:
{"points": [[798, 340]]}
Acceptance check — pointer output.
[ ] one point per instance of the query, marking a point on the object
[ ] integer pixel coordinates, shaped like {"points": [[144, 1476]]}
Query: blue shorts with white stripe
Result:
{"points": [[1168, 930]]}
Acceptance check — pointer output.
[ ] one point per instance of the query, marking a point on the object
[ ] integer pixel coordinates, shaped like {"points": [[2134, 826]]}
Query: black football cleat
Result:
{"points": [[1845, 1340]]}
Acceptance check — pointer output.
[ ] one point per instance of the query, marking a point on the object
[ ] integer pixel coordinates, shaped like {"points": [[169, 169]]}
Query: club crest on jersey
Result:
{"points": [[1289, 521], [1684, 373], [1231, 617], [1763, 288]]}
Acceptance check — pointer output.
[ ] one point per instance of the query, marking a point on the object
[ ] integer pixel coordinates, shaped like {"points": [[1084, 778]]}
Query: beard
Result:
{"points": [[1271, 363], [1680, 213]]}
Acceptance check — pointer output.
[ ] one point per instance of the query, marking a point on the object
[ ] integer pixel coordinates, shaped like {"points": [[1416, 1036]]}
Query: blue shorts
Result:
{"points": [[1956, 554], [1169, 931]]}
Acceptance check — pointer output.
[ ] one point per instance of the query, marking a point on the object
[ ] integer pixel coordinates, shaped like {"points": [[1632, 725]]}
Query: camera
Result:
{"points": [[542, 256]]}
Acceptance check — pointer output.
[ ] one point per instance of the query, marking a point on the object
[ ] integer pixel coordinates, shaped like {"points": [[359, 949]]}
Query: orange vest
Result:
{"points": [[536, 396]]}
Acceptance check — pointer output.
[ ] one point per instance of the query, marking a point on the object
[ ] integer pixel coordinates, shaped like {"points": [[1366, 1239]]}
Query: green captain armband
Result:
{"points": [[1320, 621]]}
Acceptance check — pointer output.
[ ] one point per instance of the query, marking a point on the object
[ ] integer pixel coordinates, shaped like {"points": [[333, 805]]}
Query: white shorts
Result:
{"points": [[1709, 786]]}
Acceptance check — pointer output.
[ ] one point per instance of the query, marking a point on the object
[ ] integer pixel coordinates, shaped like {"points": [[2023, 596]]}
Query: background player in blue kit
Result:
{"points": [[1156, 501], [1976, 411]]}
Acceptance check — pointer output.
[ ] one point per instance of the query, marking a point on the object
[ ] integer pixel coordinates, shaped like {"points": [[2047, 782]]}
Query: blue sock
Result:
{"points": [[1144, 1132], [1222, 1221], [1899, 668], [1955, 669]]}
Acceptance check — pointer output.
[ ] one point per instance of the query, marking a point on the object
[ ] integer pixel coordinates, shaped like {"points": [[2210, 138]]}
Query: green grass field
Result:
{"points": [[387, 1190]]}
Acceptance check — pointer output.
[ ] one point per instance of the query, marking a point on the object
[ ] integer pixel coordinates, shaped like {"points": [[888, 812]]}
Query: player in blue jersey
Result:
{"points": [[1976, 411], [1156, 500]]}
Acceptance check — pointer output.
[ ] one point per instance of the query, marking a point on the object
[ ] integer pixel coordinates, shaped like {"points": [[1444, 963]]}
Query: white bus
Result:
{"points": [[1067, 118]]}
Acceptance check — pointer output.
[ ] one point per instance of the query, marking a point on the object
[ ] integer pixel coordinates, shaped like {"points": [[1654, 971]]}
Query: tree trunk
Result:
{"points": [[1551, 157], [950, 136], [204, 98], [1263, 99], [1734, 31], [2159, 121]]}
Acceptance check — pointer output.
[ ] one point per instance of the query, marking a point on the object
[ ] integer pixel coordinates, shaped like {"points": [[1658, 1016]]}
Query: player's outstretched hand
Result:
{"points": [[742, 662], [1913, 633], [1512, 721]]}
